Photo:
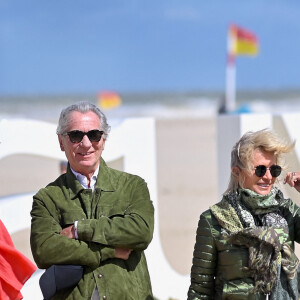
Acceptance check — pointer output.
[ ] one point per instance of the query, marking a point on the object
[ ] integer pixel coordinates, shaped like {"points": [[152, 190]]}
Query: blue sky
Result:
{"points": [[72, 46]]}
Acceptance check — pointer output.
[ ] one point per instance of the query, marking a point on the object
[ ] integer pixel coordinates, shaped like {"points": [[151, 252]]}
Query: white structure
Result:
{"points": [[134, 141], [28, 137]]}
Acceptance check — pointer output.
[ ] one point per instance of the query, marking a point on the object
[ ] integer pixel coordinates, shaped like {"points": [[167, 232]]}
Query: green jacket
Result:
{"points": [[118, 214], [217, 270]]}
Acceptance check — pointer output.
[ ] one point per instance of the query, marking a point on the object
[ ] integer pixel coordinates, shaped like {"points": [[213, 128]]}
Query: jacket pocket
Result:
{"points": [[239, 290], [69, 217], [110, 211]]}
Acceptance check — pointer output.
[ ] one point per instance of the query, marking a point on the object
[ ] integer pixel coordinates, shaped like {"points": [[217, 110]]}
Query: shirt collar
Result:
{"points": [[83, 179]]}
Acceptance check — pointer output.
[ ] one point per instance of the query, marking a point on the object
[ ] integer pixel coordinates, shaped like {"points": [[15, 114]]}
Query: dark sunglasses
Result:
{"points": [[261, 170], [76, 136]]}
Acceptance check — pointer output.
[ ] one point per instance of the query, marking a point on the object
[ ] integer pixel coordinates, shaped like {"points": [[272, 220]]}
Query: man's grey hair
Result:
{"points": [[82, 107]]}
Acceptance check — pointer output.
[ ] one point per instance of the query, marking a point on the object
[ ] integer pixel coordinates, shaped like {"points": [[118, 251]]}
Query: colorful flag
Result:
{"points": [[242, 41], [109, 100], [15, 269]]}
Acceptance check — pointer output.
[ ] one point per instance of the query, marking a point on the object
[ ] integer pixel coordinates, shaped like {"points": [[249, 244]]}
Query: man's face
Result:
{"points": [[84, 156]]}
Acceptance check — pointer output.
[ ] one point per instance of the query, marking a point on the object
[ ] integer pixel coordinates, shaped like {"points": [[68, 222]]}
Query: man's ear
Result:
{"points": [[103, 144], [60, 142], [235, 171]]}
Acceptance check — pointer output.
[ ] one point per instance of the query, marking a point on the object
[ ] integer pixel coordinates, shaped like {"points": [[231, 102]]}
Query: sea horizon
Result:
{"points": [[152, 104]]}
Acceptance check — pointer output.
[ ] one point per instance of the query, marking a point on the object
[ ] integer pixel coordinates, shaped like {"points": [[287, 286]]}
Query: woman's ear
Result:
{"points": [[235, 171]]}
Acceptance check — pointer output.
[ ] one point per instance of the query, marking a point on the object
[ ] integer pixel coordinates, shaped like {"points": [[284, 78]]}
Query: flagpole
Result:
{"points": [[230, 71], [240, 41], [230, 83]]}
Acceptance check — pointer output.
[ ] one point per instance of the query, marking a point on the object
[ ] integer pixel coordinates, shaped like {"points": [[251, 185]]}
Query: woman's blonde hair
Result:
{"points": [[243, 151]]}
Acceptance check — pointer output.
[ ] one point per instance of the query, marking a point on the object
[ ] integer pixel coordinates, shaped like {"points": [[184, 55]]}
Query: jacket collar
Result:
{"points": [[105, 181]]}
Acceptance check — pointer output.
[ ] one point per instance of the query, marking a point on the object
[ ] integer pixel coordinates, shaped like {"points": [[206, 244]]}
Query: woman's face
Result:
{"points": [[260, 185]]}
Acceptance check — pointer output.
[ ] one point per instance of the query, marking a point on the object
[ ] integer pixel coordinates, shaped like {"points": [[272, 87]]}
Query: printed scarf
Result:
{"points": [[254, 221]]}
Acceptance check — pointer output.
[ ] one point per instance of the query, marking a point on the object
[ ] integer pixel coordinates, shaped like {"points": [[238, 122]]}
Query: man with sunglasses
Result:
{"points": [[93, 216]]}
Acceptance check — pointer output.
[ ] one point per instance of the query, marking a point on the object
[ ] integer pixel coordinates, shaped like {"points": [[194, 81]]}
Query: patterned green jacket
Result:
{"points": [[218, 266], [118, 214]]}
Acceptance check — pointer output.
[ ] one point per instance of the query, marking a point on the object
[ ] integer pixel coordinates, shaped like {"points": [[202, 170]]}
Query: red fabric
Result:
{"points": [[246, 35], [15, 268]]}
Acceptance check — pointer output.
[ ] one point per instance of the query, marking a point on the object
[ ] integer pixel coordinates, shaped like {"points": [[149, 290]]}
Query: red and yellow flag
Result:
{"points": [[242, 41], [109, 100]]}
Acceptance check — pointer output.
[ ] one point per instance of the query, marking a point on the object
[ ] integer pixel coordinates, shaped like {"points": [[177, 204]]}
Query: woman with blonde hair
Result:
{"points": [[245, 243]]}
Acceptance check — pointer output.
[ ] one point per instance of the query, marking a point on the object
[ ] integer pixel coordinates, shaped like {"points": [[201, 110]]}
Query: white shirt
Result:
{"points": [[83, 179], [84, 182]]}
